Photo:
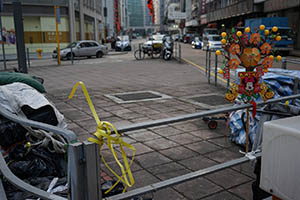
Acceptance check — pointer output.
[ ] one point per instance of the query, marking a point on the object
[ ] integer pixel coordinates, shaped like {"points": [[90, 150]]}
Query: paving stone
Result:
{"points": [[90, 125], [167, 131], [173, 174], [116, 168], [244, 191], [158, 116], [203, 147], [161, 143], [178, 153], [221, 178], [197, 188], [184, 138], [223, 155], [61, 106], [205, 134], [223, 142], [152, 159], [245, 168], [222, 196], [140, 149], [186, 127], [83, 137], [168, 193], [76, 115], [140, 119], [143, 136], [143, 178], [165, 168], [197, 163]]}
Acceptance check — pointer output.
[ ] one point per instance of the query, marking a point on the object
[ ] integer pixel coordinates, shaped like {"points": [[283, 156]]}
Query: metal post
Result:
{"points": [[19, 28], [206, 57], [179, 53], [216, 69], [28, 57], [84, 169], [284, 62], [72, 57], [228, 80], [209, 65], [3, 48], [140, 49], [57, 34]]}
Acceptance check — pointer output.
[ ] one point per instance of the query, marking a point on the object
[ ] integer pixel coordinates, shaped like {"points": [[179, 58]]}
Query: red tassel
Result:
{"points": [[253, 108]]}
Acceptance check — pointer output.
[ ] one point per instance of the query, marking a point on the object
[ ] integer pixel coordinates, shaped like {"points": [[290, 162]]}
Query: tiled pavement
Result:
{"points": [[162, 152]]}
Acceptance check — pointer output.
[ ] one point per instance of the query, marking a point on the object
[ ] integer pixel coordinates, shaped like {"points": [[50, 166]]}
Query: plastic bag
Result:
{"points": [[116, 190], [28, 163]]}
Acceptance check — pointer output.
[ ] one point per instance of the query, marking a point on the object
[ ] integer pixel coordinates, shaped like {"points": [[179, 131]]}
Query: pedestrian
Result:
{"points": [[102, 41]]}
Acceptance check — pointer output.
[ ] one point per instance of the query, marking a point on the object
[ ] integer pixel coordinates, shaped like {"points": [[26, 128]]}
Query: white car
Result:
{"points": [[154, 39], [212, 42], [84, 48], [123, 43]]}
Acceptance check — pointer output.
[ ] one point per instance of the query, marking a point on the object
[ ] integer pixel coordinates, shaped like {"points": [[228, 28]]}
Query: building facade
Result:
{"points": [[140, 20], [80, 19]]}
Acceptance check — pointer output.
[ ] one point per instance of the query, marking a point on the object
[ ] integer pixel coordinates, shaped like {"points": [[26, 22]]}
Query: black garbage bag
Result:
{"points": [[118, 189], [42, 183], [28, 163], [12, 133]]}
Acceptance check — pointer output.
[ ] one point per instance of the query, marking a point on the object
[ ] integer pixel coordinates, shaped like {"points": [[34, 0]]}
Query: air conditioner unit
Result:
{"points": [[280, 170]]}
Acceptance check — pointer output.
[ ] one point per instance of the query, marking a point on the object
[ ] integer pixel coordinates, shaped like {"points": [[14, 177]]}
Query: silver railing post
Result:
{"points": [[84, 169]]}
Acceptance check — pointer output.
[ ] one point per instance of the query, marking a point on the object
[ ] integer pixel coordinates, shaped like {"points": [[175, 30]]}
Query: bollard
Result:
{"points": [[209, 65], [72, 56], [179, 53], [28, 58], [284, 62], [39, 51], [216, 69]]}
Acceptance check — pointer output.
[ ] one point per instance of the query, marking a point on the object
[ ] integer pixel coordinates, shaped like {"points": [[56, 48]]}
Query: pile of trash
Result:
{"points": [[36, 156], [283, 83]]}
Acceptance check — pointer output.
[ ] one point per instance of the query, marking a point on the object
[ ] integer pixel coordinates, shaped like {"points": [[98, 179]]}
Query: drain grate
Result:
{"points": [[212, 100], [209, 101], [131, 97], [137, 96]]}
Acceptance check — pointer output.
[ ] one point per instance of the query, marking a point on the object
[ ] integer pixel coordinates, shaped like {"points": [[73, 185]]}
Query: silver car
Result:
{"points": [[84, 48]]}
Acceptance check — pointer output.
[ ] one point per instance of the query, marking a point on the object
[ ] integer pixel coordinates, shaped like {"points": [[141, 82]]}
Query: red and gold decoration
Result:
{"points": [[254, 51]]}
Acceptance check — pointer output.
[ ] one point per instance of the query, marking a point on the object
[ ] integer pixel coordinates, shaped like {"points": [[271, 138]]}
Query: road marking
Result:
{"points": [[203, 69]]}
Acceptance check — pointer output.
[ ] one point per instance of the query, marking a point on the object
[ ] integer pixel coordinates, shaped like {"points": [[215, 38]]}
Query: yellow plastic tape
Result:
{"points": [[103, 134]]}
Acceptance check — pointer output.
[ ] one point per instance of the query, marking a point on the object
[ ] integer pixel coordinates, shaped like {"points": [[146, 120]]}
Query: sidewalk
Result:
{"points": [[162, 152]]}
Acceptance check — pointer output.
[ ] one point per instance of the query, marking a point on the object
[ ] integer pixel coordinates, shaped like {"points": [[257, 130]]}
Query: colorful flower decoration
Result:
{"points": [[250, 57], [255, 38], [234, 49], [251, 50], [265, 48], [267, 62], [234, 63]]}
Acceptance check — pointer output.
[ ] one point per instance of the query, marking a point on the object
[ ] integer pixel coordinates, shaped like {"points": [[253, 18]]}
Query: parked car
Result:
{"points": [[123, 43], [212, 42], [197, 43], [84, 48]]}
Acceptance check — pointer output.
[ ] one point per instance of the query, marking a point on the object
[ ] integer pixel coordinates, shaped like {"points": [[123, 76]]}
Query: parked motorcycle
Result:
{"points": [[167, 48]]}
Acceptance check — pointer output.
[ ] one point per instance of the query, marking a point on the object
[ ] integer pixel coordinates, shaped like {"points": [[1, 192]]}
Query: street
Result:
{"points": [[162, 152]]}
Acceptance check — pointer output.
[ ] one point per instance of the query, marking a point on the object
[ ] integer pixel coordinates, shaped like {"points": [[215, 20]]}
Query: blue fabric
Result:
{"points": [[282, 83]]}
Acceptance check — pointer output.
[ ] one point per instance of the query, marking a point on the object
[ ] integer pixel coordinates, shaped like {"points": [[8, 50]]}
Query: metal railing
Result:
{"points": [[285, 61], [84, 164]]}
